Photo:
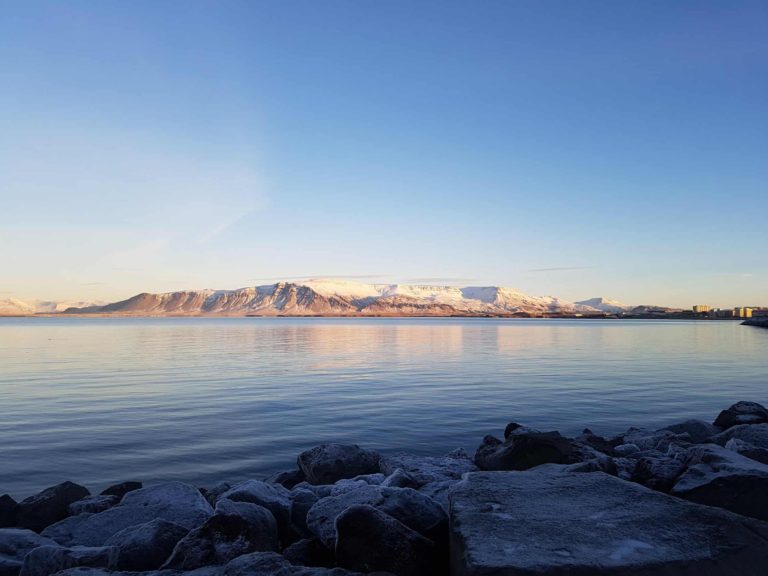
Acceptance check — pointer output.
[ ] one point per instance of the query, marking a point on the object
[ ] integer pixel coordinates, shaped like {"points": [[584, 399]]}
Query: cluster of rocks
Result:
{"points": [[688, 499]]}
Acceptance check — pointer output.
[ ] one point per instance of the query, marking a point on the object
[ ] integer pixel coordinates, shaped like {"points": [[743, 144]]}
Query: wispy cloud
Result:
{"points": [[560, 269]]}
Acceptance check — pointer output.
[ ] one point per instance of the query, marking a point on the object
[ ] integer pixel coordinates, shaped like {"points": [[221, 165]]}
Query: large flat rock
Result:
{"points": [[545, 523]]}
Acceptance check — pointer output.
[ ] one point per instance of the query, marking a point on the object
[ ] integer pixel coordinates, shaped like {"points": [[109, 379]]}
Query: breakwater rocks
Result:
{"points": [[689, 499], [760, 322]]}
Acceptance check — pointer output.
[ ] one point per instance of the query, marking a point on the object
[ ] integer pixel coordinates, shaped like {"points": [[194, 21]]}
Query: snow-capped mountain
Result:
{"points": [[605, 305], [328, 297], [15, 307]]}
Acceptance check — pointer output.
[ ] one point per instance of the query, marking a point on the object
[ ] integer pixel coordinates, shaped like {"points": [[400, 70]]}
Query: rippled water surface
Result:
{"points": [[203, 400]]}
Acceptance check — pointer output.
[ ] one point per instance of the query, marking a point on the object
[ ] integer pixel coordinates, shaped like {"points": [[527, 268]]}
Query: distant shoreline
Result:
{"points": [[750, 322]]}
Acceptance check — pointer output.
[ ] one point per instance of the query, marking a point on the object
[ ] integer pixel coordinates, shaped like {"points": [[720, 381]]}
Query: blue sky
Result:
{"points": [[567, 148]]}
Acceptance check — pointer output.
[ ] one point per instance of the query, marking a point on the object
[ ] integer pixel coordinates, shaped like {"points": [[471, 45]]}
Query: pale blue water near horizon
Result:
{"points": [[101, 400]]}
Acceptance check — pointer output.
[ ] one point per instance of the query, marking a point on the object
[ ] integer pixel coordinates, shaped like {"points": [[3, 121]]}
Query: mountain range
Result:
{"points": [[327, 297]]}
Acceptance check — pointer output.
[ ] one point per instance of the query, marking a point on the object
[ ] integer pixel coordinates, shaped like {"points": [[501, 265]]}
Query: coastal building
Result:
{"points": [[760, 313], [742, 312], [701, 309], [728, 313]]}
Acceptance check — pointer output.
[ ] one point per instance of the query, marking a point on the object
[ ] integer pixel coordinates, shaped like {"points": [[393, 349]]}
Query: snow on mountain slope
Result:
{"points": [[331, 297], [14, 307], [605, 305]]}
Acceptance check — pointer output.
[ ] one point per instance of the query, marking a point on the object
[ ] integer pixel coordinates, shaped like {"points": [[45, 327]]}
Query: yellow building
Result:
{"points": [[742, 312], [701, 308]]}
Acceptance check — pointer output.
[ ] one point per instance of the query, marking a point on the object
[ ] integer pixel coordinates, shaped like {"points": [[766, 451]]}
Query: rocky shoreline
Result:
{"points": [[689, 499]]}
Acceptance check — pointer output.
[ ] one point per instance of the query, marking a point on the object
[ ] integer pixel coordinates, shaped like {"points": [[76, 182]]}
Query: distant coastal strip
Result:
{"points": [[688, 498], [761, 322]]}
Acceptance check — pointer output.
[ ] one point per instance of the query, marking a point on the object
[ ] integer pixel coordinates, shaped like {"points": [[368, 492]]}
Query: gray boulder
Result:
{"points": [[368, 540], [415, 510], [754, 434], [328, 463], [222, 538], [349, 484], [46, 560], [658, 472], [524, 451], [748, 450], [272, 564], [121, 489], [253, 513], [92, 504], [699, 430], [287, 479], [146, 546], [214, 493], [48, 506], [719, 477], [273, 497], [589, 438], [626, 450], [742, 413], [172, 501], [322, 490], [8, 507], [438, 491], [301, 502], [427, 469], [646, 439], [15, 543], [535, 522], [400, 479]]}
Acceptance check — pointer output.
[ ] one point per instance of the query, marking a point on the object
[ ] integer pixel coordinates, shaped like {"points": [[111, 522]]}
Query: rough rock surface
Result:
{"points": [[146, 546], [15, 543], [719, 477], [514, 523], [368, 540], [288, 478], [524, 451], [92, 504], [698, 430], [742, 413], [427, 469], [327, 463], [48, 506], [221, 539], [46, 560], [172, 501], [400, 479], [121, 489], [415, 510], [301, 502], [748, 450], [273, 497], [754, 434], [271, 564]]}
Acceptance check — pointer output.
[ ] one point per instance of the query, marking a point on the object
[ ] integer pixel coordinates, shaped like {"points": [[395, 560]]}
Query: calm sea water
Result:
{"points": [[203, 400]]}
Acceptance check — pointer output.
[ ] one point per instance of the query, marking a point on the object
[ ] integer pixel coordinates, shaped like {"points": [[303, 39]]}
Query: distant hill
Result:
{"points": [[328, 297], [605, 305], [15, 307]]}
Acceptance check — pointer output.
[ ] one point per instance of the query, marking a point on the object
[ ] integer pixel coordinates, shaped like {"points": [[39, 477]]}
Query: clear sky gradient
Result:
{"points": [[567, 148]]}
